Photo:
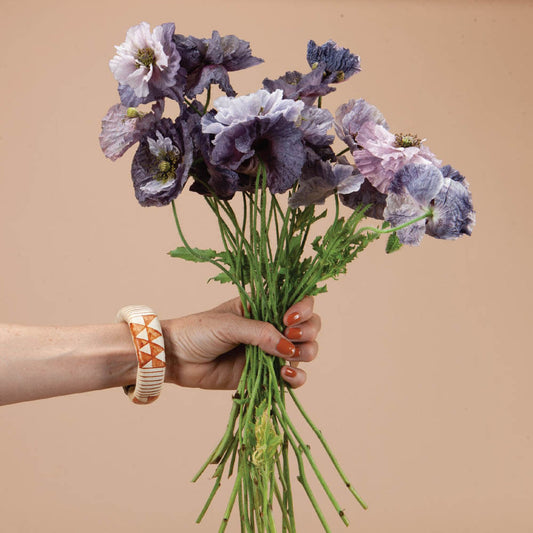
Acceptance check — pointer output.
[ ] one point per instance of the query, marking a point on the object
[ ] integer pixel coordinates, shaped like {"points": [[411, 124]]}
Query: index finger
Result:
{"points": [[299, 312]]}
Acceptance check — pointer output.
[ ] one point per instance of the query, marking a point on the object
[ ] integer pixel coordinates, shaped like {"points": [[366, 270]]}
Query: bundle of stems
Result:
{"points": [[265, 257]]}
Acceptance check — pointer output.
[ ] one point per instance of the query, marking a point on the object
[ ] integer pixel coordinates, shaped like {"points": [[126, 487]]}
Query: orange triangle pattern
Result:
{"points": [[152, 334]]}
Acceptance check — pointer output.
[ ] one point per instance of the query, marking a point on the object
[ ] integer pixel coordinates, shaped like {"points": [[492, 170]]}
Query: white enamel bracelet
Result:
{"points": [[149, 344]]}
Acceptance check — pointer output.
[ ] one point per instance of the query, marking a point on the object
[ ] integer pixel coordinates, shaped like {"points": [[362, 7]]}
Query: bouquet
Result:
{"points": [[242, 153]]}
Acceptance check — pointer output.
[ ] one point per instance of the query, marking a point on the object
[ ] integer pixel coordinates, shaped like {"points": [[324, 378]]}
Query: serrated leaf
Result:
{"points": [[393, 243], [196, 256], [221, 278]]}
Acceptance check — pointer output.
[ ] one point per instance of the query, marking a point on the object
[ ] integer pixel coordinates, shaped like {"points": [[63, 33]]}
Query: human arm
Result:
{"points": [[203, 350]]}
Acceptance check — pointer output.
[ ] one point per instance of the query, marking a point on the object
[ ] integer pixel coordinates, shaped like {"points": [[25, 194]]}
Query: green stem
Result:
{"points": [[342, 152], [321, 438], [401, 226]]}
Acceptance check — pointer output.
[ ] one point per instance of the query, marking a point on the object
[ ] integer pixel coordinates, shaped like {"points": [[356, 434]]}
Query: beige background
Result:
{"points": [[423, 385]]}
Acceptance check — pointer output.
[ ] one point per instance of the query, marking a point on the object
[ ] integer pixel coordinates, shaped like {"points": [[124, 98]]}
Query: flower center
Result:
{"points": [[168, 163], [145, 56], [406, 140]]}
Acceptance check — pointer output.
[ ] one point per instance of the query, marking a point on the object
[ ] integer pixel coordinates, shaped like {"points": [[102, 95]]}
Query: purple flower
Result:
{"points": [[418, 189], [258, 127], [297, 86], [208, 61], [338, 62], [146, 64], [161, 164], [321, 179], [209, 179], [366, 195], [383, 154], [351, 116], [122, 127]]}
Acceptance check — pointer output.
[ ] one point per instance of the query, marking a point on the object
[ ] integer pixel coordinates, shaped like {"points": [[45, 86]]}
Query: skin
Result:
{"points": [[204, 350]]}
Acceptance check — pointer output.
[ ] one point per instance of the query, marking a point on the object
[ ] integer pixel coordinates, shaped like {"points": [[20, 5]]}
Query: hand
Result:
{"points": [[206, 350]]}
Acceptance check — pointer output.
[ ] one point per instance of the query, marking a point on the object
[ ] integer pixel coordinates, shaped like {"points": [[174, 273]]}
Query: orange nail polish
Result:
{"points": [[294, 333], [293, 318], [290, 372], [286, 347]]}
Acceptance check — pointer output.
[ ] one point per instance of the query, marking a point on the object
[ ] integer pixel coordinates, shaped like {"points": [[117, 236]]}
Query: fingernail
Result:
{"points": [[294, 333], [286, 347], [293, 318], [297, 352], [290, 372]]}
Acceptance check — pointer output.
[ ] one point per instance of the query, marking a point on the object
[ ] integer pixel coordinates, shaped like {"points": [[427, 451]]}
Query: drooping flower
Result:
{"points": [[366, 195], [122, 127], [339, 63], [146, 64], [298, 86], [421, 188], [255, 128], [321, 179], [351, 116], [382, 154], [161, 164], [208, 61], [453, 212]]}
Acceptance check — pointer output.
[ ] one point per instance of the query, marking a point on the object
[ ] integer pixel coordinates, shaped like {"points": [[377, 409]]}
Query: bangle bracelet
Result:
{"points": [[149, 344]]}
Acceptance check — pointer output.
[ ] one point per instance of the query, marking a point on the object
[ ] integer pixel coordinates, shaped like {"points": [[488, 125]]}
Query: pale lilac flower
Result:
{"points": [[122, 127], [161, 164], [262, 104], [259, 127], [351, 116], [208, 61], [383, 154], [314, 123], [146, 61], [339, 63]]}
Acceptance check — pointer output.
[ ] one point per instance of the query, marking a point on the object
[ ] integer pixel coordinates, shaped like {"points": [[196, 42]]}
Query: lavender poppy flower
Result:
{"points": [[350, 117], [297, 86], [146, 64], [383, 154], [258, 127], [338, 62], [161, 164], [208, 61], [122, 127]]}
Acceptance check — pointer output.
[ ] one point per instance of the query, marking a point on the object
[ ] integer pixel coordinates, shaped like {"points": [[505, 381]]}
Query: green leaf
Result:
{"points": [[393, 243], [221, 278], [197, 255]]}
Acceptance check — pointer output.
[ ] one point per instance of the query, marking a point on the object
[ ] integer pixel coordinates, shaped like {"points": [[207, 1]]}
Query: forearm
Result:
{"points": [[41, 362]]}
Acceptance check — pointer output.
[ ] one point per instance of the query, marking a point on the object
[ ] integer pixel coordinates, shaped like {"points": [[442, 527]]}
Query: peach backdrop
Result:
{"points": [[423, 386]]}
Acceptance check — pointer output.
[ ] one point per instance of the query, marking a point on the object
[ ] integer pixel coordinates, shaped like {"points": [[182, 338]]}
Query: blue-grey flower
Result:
{"points": [[321, 179], [208, 61], [122, 127], [297, 86], [255, 128], [161, 164], [350, 117], [339, 63], [411, 191], [421, 188], [146, 64], [366, 195], [453, 212]]}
